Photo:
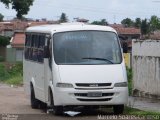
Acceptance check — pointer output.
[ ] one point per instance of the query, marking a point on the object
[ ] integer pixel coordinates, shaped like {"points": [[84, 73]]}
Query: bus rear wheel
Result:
{"points": [[57, 110], [34, 102]]}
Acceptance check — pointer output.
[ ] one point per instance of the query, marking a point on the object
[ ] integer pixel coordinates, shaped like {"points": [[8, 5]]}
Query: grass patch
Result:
{"points": [[133, 111], [128, 111], [11, 74], [15, 80], [3, 72]]}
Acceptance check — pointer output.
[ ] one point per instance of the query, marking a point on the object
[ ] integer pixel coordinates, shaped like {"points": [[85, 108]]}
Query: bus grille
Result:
{"points": [[85, 94], [93, 84], [94, 100]]}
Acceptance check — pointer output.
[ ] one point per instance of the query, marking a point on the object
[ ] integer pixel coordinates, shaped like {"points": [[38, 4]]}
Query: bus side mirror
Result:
{"points": [[46, 52]]}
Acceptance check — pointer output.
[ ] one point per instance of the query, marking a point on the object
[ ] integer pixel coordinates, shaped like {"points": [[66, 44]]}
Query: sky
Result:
{"points": [[112, 10]]}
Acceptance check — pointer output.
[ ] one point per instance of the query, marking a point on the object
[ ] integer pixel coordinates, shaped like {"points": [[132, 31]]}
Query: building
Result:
{"points": [[18, 39], [155, 35], [126, 34], [6, 29], [17, 44]]}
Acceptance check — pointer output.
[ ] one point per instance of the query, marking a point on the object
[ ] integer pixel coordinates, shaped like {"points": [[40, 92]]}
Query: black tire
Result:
{"points": [[118, 109], [57, 110], [43, 105], [34, 102], [91, 107]]}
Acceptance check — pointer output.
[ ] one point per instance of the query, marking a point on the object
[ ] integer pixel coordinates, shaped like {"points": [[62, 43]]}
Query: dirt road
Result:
{"points": [[13, 101]]}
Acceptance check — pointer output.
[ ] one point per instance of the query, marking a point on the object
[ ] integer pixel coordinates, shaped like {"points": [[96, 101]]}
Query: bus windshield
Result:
{"points": [[86, 48]]}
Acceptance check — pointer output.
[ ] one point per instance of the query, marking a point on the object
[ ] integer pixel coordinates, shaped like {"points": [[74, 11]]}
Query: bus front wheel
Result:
{"points": [[57, 110], [118, 109]]}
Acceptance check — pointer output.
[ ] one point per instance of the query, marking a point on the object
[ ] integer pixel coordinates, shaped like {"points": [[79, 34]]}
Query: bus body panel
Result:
{"points": [[91, 74], [34, 73], [66, 97]]}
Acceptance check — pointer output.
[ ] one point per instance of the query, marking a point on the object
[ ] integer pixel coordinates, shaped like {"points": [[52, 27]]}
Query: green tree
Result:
{"points": [[63, 18], [145, 27], [4, 41], [137, 22], [1, 17], [102, 22], [21, 6], [127, 22], [154, 23]]}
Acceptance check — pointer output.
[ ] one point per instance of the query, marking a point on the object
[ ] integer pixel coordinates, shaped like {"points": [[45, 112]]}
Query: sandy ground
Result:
{"points": [[14, 101]]}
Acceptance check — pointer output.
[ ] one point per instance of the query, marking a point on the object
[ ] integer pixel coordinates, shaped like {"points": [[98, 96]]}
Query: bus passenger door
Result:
{"points": [[47, 66]]}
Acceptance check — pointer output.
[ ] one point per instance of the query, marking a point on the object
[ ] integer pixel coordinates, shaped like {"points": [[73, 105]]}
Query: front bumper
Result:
{"points": [[71, 96]]}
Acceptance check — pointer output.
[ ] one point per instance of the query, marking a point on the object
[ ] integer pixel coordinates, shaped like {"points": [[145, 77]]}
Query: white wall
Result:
{"points": [[146, 66], [19, 54]]}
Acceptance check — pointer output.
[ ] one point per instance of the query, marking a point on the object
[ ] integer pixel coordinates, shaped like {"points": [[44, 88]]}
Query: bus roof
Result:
{"points": [[67, 27]]}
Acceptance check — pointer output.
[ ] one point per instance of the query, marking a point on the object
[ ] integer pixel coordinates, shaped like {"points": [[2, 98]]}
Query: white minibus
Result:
{"points": [[74, 64]]}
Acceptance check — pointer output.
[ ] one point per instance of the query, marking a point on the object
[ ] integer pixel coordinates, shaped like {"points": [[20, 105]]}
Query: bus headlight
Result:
{"points": [[64, 85], [121, 84]]}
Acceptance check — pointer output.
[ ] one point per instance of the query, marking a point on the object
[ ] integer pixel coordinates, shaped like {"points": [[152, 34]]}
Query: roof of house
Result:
{"points": [[20, 25], [128, 31], [82, 20], [37, 23], [125, 30], [6, 25], [18, 40], [116, 25]]}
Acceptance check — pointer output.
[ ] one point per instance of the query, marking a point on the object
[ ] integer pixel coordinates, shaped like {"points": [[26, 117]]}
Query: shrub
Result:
{"points": [[1, 59], [129, 73], [4, 41], [129, 76]]}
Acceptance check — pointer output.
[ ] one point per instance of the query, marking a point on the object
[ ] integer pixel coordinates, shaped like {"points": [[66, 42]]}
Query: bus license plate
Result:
{"points": [[94, 94]]}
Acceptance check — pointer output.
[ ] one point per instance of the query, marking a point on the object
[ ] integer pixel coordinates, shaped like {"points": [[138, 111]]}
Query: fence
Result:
{"points": [[146, 68]]}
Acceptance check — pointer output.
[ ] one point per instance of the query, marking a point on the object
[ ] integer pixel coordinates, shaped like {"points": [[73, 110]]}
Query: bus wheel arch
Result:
{"points": [[57, 110], [34, 102], [50, 97]]}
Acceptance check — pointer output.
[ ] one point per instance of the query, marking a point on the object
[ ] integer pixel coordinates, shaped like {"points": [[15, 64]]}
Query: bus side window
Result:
{"points": [[41, 41], [28, 40], [35, 54], [27, 45], [35, 41], [41, 48], [26, 53], [30, 53]]}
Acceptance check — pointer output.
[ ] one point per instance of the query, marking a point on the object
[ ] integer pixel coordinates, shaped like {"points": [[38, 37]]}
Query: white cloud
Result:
{"points": [[112, 10]]}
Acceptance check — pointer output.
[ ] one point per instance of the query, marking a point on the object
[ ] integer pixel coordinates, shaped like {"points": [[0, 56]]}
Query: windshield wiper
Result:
{"points": [[102, 59]]}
